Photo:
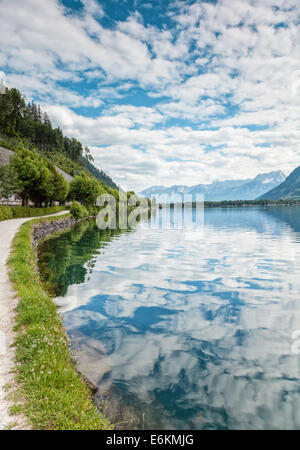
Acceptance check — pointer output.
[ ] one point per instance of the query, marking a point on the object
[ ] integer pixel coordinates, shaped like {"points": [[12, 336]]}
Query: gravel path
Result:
{"points": [[8, 303]]}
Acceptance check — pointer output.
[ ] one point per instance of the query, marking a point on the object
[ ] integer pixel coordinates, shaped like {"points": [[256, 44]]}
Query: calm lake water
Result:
{"points": [[186, 329]]}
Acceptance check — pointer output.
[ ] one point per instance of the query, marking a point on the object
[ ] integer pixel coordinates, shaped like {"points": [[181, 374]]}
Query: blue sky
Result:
{"points": [[163, 92]]}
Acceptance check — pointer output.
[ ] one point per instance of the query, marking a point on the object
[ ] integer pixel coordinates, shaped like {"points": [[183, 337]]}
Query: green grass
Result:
{"points": [[55, 396], [14, 212]]}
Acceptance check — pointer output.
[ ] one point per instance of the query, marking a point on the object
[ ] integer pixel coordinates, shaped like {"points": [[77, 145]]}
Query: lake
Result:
{"points": [[184, 329]]}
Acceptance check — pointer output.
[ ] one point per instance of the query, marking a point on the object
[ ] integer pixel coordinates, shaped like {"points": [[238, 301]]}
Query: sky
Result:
{"points": [[163, 92]]}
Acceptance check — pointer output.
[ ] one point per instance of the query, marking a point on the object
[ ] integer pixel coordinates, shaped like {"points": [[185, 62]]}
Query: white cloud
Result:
{"points": [[127, 145], [219, 67]]}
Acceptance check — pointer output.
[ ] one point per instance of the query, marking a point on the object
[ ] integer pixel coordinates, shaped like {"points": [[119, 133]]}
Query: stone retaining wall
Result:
{"points": [[42, 229]]}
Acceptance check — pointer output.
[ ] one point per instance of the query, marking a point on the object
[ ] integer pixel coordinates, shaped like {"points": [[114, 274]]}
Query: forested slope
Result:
{"points": [[28, 122]]}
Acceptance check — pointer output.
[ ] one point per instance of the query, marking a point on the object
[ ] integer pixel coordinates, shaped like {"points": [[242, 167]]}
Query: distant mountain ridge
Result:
{"points": [[288, 189], [248, 189]]}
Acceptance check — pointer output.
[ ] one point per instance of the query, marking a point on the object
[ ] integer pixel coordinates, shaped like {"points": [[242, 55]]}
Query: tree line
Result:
{"points": [[32, 177], [261, 202]]}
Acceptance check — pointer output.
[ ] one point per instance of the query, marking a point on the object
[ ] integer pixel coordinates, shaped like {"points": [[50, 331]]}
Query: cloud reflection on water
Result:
{"points": [[198, 330]]}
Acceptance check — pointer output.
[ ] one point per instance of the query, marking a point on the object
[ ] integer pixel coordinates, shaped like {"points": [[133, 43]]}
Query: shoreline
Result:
{"points": [[41, 232], [229, 204], [55, 395]]}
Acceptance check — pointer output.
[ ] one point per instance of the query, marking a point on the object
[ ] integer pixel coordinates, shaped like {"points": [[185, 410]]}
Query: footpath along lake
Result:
{"points": [[184, 329]]}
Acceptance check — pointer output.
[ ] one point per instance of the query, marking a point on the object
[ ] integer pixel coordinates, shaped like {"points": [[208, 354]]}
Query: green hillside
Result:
{"points": [[28, 122], [289, 189]]}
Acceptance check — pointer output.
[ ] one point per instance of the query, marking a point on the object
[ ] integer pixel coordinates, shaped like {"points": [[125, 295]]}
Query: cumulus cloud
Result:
{"points": [[127, 144], [214, 85]]}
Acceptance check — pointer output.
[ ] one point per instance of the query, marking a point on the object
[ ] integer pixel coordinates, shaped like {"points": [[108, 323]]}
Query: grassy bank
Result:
{"points": [[15, 212], [55, 396]]}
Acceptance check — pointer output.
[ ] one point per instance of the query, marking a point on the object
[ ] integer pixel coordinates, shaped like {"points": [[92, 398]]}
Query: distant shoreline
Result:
{"points": [[234, 203]]}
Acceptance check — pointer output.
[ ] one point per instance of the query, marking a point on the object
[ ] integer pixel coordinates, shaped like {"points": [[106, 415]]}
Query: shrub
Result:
{"points": [[85, 189], [5, 213], [14, 212], [78, 211], [93, 210]]}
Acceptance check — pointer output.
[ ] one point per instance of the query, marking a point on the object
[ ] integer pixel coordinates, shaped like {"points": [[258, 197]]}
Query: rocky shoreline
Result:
{"points": [[43, 229]]}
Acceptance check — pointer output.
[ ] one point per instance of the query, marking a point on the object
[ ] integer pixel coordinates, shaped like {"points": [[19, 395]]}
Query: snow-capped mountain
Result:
{"points": [[248, 189], [289, 189]]}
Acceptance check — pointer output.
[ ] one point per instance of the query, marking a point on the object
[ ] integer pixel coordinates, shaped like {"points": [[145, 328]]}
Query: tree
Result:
{"points": [[84, 189], [58, 188], [33, 175], [87, 154], [12, 107], [9, 183], [61, 188]]}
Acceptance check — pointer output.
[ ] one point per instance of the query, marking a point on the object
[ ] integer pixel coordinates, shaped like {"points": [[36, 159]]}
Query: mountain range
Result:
{"points": [[289, 189], [248, 189]]}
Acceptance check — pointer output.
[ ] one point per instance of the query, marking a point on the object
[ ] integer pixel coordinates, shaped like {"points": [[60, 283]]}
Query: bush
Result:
{"points": [[78, 211], [85, 189], [5, 213], [93, 210], [14, 212]]}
